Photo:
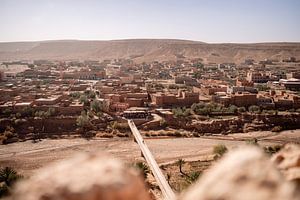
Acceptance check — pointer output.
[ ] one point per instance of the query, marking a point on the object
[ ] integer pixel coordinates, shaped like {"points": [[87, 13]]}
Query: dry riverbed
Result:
{"points": [[26, 157]]}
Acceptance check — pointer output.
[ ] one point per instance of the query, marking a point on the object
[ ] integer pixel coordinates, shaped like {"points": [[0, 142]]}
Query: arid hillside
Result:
{"points": [[145, 50]]}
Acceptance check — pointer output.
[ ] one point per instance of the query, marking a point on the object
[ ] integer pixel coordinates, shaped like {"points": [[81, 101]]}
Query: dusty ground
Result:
{"points": [[27, 157]]}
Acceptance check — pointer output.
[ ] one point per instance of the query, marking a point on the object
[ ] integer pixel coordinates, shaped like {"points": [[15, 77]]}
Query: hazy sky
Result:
{"points": [[203, 20]]}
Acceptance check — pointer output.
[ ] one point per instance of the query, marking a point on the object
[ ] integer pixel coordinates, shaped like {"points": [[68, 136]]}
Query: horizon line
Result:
{"points": [[126, 39]]}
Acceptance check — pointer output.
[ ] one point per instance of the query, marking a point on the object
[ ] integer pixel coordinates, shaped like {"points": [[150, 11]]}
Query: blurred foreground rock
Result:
{"points": [[85, 177], [287, 161], [246, 173], [243, 174]]}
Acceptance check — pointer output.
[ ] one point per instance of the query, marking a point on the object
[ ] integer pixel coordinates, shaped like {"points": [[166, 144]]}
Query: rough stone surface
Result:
{"points": [[287, 161], [244, 174], [85, 177]]}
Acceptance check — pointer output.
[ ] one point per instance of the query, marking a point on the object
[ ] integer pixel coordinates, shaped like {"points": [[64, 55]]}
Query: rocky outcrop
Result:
{"points": [[244, 174], [85, 177]]}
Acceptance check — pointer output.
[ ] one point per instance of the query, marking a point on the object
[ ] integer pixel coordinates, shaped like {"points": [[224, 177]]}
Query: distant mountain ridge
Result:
{"points": [[146, 50]]}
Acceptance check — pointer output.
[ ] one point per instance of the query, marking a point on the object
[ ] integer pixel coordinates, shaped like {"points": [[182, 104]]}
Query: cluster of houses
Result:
{"points": [[126, 87]]}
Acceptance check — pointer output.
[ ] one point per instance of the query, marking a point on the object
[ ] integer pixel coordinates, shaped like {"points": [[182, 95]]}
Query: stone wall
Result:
{"points": [[242, 123]]}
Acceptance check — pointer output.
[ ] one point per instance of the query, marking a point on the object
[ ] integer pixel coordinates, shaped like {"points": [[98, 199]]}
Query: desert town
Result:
{"points": [[43, 98], [149, 100], [214, 103]]}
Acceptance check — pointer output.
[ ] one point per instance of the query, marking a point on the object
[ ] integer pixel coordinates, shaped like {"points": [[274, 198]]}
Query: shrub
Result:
{"points": [[181, 112], [27, 112], [233, 109], [272, 149], [271, 112], [51, 112], [193, 176], [42, 114], [8, 177], [263, 87], [83, 120], [96, 106], [254, 109], [252, 141], [7, 111], [18, 115], [83, 99], [143, 168], [219, 150], [75, 95], [241, 109]]}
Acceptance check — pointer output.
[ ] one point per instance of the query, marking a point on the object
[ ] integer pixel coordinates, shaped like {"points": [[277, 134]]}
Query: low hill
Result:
{"points": [[146, 50]]}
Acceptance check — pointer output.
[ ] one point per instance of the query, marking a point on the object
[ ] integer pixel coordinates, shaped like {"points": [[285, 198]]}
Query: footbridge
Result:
{"points": [[158, 175]]}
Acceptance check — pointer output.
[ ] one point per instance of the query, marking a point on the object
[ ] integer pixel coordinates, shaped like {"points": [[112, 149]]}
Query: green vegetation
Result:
{"points": [[45, 114], [263, 87], [83, 99], [118, 126], [83, 120], [208, 109], [7, 112], [219, 150], [270, 112], [252, 141], [233, 109], [211, 108], [143, 168], [254, 109], [96, 106], [203, 108], [27, 112], [272, 149], [199, 65], [181, 112], [75, 95], [197, 75], [193, 176], [90, 94], [190, 177], [242, 109], [84, 123], [8, 177]]}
